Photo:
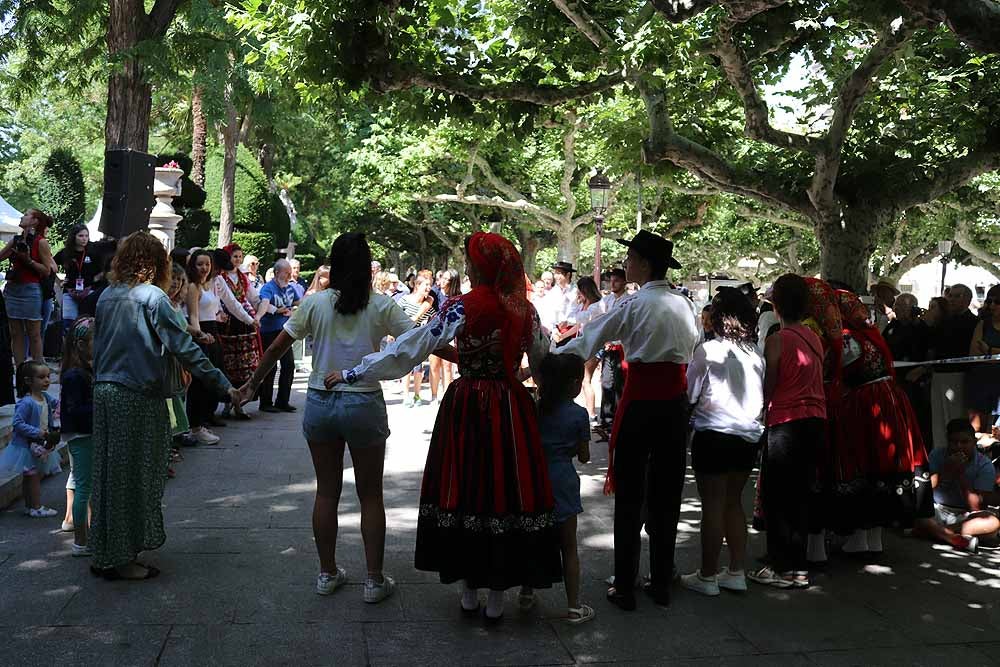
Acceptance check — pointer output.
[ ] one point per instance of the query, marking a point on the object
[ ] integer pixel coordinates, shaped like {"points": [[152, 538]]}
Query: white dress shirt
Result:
{"points": [[560, 306], [655, 324]]}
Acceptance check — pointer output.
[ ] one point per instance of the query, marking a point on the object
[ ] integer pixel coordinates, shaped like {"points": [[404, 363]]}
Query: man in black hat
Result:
{"points": [[658, 328], [560, 304]]}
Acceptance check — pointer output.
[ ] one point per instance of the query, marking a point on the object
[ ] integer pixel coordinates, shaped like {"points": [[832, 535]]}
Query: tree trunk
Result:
{"points": [[229, 144], [199, 139], [531, 243], [567, 244], [845, 251], [266, 159], [130, 97]]}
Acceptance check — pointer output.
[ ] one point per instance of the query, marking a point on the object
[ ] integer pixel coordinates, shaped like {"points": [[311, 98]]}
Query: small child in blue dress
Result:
{"points": [[31, 444], [565, 431]]}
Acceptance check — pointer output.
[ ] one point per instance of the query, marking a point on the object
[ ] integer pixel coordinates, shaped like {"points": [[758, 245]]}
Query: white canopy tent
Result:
{"points": [[95, 234], [10, 219]]}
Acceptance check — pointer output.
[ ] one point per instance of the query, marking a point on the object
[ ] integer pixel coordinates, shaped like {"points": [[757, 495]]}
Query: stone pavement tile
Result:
{"points": [[783, 621], [762, 660], [236, 491], [183, 518], [321, 643], [33, 591], [916, 656], [286, 593], [90, 646], [991, 651], [649, 634], [191, 589], [464, 642]]}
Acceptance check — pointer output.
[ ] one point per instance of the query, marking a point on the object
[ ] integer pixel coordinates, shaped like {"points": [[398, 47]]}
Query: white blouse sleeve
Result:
{"points": [[233, 307], [411, 348]]}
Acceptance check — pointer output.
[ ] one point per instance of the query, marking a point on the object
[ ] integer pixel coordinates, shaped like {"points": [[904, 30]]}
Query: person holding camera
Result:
{"points": [[31, 263], [82, 271]]}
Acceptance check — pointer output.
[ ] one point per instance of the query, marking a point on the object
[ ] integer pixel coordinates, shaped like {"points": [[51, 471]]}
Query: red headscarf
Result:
{"points": [[855, 316], [501, 282], [824, 309]]}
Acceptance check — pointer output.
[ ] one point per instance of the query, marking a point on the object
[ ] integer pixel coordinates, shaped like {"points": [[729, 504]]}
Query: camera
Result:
{"points": [[20, 244]]}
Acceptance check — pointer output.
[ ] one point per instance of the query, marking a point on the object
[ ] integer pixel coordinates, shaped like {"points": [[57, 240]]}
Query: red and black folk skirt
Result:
{"points": [[486, 507]]}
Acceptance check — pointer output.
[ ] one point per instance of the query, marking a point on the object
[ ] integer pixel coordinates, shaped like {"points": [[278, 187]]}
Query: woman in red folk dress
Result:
{"points": [[486, 507], [878, 463]]}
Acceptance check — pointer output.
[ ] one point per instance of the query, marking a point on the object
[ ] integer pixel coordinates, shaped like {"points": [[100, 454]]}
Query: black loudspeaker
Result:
{"points": [[128, 192]]}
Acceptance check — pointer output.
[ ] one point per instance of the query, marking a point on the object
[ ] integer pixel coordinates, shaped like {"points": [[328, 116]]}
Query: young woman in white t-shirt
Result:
{"points": [[726, 391], [346, 322]]}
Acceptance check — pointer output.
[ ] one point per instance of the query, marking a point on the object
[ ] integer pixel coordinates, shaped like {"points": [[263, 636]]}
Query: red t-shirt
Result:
{"points": [[799, 392]]}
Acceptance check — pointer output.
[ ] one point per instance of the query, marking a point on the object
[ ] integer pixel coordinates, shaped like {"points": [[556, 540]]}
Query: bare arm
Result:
{"points": [[8, 250], [772, 359], [978, 345], [45, 265], [193, 298]]}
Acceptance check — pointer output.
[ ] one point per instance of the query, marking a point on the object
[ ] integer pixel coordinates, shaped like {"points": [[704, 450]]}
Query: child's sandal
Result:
{"points": [[581, 614]]}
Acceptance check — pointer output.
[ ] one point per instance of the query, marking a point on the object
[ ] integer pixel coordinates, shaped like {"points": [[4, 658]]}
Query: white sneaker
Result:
{"points": [[67, 526], [42, 512], [81, 552], [206, 437], [408, 402], [327, 583], [699, 584], [376, 592], [732, 581], [417, 402]]}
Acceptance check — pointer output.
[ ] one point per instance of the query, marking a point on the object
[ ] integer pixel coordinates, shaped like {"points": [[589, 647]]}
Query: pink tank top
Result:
{"points": [[799, 393]]}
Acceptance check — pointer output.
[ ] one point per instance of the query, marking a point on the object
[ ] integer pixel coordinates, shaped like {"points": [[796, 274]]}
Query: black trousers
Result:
{"points": [[788, 473], [285, 378], [201, 399], [612, 385], [650, 459]]}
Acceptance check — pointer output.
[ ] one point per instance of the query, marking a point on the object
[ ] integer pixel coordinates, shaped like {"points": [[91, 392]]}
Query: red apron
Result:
{"points": [[656, 381]]}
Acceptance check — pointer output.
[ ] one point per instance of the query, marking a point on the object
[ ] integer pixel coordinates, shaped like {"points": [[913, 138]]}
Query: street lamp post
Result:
{"points": [[600, 190], [944, 248]]}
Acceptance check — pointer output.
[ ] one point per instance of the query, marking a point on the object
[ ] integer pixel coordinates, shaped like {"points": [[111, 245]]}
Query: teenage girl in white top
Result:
{"points": [[204, 310], [591, 307]]}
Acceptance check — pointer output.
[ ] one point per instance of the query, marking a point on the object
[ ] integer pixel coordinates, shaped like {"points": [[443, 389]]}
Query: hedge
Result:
{"points": [[61, 193], [194, 231], [260, 244], [253, 205]]}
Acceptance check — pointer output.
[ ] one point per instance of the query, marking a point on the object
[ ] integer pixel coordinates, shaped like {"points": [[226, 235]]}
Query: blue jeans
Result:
{"points": [[359, 418]]}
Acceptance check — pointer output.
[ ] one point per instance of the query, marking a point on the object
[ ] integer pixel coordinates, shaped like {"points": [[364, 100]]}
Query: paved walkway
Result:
{"points": [[239, 568]]}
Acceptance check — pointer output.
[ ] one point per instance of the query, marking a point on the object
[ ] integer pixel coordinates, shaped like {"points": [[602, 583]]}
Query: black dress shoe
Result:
{"points": [[287, 408], [660, 596], [624, 601], [269, 409]]}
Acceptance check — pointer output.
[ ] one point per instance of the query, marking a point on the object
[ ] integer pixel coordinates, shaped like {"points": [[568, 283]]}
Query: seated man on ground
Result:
{"points": [[964, 482]]}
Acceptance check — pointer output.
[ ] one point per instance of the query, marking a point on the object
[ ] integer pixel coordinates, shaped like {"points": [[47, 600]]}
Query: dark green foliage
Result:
{"points": [[281, 224], [253, 210], [260, 244], [308, 262], [61, 193], [194, 230]]}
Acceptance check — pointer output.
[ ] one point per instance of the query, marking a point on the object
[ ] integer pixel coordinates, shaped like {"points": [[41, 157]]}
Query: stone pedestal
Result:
{"points": [[163, 219]]}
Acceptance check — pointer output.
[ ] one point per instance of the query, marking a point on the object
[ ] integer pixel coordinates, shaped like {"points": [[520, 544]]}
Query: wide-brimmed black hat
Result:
{"points": [[608, 275], [653, 246], [565, 267], [747, 289]]}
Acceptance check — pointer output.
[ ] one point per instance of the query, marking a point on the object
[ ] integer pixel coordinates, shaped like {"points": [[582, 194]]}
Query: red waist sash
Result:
{"points": [[655, 381]]}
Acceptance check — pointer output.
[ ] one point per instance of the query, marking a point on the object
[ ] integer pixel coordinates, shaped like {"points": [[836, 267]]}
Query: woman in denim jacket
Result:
{"points": [[136, 340]]}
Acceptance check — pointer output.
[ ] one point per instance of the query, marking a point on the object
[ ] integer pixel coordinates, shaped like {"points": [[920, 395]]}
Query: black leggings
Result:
{"points": [[788, 472], [201, 399]]}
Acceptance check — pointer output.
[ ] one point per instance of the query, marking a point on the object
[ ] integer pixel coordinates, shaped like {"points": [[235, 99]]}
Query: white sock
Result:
{"points": [[875, 539], [816, 547], [857, 543], [494, 604], [470, 598]]}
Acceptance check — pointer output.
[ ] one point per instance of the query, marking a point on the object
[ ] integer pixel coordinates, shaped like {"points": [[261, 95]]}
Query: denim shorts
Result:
{"points": [[359, 418], [24, 301]]}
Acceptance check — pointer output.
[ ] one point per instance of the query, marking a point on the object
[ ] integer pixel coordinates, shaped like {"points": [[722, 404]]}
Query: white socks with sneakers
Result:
{"points": [[816, 547], [857, 542], [470, 598]]}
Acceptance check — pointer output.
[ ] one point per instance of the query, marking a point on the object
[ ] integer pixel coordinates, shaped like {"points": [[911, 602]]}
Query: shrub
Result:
{"points": [[192, 195], [195, 229], [281, 224], [260, 244], [253, 206], [61, 193]]}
